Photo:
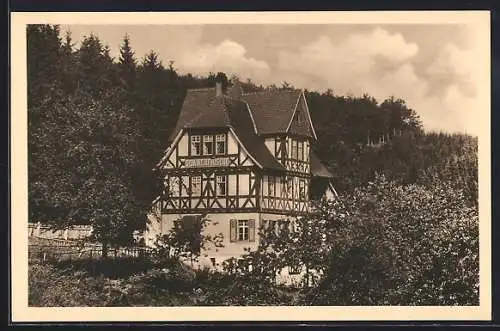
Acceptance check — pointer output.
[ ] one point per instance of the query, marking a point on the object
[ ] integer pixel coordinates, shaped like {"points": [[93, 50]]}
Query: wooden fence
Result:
{"points": [[71, 233], [63, 249]]}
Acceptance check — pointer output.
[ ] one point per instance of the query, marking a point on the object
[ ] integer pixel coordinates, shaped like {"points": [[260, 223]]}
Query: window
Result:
{"points": [[270, 186], [242, 230], [221, 184], [173, 186], [302, 188], [195, 145], [300, 150], [289, 187], [294, 149], [275, 226], [184, 180], [196, 186], [220, 141], [278, 226], [208, 145]]}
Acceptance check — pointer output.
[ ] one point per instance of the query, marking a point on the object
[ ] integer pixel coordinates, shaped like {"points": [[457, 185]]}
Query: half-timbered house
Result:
{"points": [[240, 160]]}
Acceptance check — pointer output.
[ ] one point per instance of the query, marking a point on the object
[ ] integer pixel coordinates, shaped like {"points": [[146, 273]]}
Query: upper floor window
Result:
{"points": [[195, 145], [294, 149], [208, 145], [302, 188], [173, 186], [270, 186], [196, 186], [220, 141], [300, 150], [184, 185], [221, 185]]}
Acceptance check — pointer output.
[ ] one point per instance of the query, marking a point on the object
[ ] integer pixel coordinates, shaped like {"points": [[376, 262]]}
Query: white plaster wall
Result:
{"points": [[231, 185], [183, 145], [232, 144], [244, 184], [270, 142]]}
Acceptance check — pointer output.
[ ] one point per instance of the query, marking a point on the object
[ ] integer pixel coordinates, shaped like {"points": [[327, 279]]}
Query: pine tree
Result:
{"points": [[127, 67], [95, 74], [44, 59]]}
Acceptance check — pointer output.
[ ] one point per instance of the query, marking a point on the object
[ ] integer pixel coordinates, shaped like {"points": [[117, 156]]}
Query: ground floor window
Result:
{"points": [[277, 226], [242, 230]]}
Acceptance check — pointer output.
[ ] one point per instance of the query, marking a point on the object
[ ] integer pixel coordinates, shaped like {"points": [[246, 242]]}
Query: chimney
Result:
{"points": [[218, 89]]}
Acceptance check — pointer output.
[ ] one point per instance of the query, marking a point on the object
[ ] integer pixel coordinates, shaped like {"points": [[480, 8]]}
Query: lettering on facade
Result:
{"points": [[207, 162]]}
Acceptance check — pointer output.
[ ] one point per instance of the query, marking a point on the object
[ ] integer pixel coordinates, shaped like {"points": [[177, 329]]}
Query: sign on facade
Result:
{"points": [[207, 162]]}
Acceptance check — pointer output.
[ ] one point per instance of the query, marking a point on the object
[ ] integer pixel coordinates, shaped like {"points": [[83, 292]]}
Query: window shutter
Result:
{"points": [[232, 230], [251, 230]]}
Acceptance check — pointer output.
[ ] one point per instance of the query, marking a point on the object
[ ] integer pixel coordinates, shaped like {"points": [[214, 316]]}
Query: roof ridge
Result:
{"points": [[269, 92]]}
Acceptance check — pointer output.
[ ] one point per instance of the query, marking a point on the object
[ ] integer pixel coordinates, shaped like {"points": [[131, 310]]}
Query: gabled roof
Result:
{"points": [[272, 110], [317, 168], [203, 109], [242, 123]]}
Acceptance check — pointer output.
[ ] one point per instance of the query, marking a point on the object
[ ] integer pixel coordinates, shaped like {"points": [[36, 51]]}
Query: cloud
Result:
{"points": [[228, 56], [456, 66], [382, 64], [351, 65]]}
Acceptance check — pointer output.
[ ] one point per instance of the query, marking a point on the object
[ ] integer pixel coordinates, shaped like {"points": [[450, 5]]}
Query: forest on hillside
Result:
{"points": [[97, 126]]}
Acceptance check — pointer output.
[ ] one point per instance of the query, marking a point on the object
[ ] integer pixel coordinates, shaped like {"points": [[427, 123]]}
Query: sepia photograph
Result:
{"points": [[287, 163]]}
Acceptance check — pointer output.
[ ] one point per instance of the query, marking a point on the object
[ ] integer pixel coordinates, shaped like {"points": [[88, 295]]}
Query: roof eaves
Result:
{"points": [[231, 128], [169, 150], [293, 114], [251, 116], [309, 116]]}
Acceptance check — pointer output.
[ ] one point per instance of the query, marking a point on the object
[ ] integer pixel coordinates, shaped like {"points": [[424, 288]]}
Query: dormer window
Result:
{"points": [[195, 145], [208, 145], [220, 141]]}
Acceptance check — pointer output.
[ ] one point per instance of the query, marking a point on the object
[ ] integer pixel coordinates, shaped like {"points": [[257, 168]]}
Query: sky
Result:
{"points": [[431, 67]]}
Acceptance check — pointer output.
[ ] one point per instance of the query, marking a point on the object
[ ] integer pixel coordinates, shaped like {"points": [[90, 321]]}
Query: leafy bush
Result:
{"points": [[388, 244], [404, 245], [51, 287]]}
